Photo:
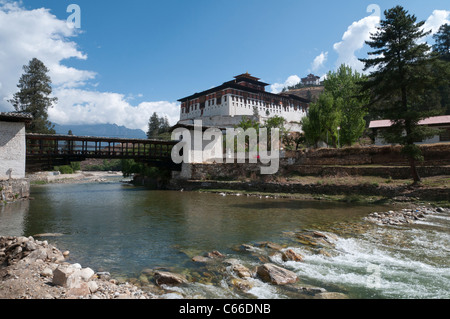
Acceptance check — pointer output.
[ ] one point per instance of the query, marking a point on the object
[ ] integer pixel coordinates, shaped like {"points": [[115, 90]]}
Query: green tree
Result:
{"points": [[339, 106], [158, 127], [248, 122], [344, 85], [34, 96], [442, 42], [402, 84], [153, 126], [322, 121], [312, 127], [277, 122], [442, 49]]}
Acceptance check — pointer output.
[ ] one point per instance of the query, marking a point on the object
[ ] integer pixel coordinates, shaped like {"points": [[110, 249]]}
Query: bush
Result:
{"points": [[65, 169]]}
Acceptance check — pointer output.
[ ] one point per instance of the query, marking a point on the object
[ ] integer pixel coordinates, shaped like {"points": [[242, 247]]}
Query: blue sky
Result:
{"points": [[142, 56]]}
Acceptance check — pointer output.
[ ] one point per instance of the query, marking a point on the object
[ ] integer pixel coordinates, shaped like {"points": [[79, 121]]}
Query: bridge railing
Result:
{"points": [[56, 146]]}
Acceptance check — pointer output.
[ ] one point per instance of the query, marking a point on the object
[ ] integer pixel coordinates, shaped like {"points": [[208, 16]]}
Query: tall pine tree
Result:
{"points": [[402, 84], [442, 49], [34, 96], [442, 45]]}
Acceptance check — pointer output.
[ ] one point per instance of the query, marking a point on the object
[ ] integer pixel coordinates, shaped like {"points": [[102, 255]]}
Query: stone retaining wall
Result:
{"points": [[434, 154], [241, 171], [14, 189], [381, 161]]}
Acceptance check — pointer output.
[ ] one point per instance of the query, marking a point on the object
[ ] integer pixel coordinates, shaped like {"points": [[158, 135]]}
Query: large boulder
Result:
{"points": [[75, 278], [168, 278], [276, 275]]}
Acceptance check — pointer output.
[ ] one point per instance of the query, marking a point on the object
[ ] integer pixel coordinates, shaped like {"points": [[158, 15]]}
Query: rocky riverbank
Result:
{"points": [[34, 269], [403, 216], [77, 177]]}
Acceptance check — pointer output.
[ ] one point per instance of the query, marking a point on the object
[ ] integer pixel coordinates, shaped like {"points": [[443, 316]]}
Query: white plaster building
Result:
{"points": [[225, 105], [439, 122], [12, 145]]}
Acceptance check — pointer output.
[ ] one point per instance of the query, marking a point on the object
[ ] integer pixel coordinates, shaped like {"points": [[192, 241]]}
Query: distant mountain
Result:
{"points": [[100, 130]]}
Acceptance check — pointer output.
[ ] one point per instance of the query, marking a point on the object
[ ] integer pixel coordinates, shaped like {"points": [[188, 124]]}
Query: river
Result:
{"points": [[126, 230]]}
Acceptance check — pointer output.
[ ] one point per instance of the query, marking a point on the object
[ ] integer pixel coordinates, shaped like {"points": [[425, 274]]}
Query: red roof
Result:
{"points": [[435, 120]]}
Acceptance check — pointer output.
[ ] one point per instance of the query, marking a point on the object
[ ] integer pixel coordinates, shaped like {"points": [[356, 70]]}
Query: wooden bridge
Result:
{"points": [[46, 151]]}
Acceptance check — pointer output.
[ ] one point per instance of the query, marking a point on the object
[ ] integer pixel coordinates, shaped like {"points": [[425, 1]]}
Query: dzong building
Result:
{"points": [[245, 96]]}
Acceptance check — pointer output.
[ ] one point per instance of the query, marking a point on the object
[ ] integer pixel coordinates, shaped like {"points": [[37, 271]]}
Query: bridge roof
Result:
{"points": [[93, 139]]}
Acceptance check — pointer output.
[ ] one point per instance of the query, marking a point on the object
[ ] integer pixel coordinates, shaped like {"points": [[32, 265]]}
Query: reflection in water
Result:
{"points": [[13, 218]]}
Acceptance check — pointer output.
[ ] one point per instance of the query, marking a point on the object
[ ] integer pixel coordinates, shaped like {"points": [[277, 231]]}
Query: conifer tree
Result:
{"points": [[402, 84], [442, 49], [34, 96], [442, 45]]}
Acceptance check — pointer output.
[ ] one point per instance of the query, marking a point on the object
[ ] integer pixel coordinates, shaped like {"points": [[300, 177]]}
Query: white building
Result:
{"points": [[227, 104], [311, 79], [439, 122], [12, 145]]}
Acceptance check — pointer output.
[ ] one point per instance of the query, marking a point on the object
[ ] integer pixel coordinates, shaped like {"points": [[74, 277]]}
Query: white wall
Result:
{"points": [[379, 141], [230, 113], [12, 150]]}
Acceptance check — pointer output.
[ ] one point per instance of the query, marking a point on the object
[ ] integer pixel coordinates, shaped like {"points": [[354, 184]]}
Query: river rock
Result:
{"points": [[72, 276], [276, 275], [82, 289], [47, 272], [242, 284], [215, 254], [201, 259], [241, 271], [86, 273], [330, 295], [291, 255], [168, 278], [270, 245], [62, 276]]}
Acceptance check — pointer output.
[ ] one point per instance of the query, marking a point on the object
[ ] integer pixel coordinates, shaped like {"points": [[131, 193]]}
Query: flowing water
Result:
{"points": [[127, 230]]}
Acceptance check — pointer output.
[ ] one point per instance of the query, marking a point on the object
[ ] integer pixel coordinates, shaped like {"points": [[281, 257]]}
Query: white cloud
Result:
{"points": [[290, 81], [78, 106], [319, 61], [436, 19], [353, 40], [358, 32], [25, 34]]}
